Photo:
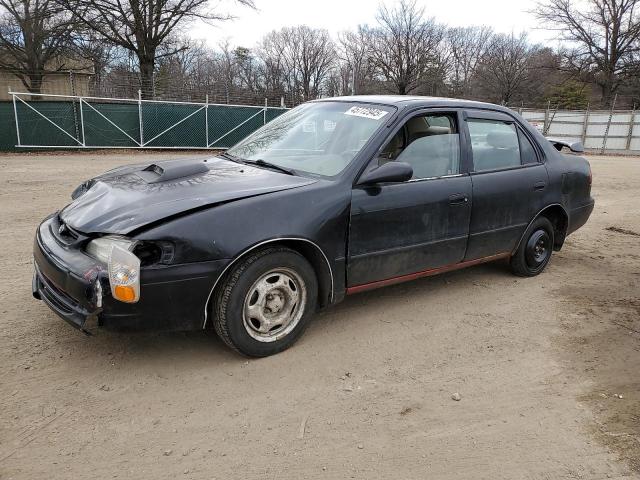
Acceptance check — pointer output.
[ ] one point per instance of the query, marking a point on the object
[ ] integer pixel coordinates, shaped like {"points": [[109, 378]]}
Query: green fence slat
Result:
{"points": [[8, 139]]}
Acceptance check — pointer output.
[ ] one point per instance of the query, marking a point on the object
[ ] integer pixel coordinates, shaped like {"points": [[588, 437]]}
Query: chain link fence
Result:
{"points": [[63, 121], [119, 83]]}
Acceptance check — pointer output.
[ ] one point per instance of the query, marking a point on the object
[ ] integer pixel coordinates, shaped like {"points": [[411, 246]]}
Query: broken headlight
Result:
{"points": [[100, 248], [149, 252]]}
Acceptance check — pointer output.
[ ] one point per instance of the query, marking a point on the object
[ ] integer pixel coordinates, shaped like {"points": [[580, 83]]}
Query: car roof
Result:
{"points": [[416, 101]]}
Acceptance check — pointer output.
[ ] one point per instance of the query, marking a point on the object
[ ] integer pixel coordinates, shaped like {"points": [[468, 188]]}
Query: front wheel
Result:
{"points": [[534, 251], [265, 302]]}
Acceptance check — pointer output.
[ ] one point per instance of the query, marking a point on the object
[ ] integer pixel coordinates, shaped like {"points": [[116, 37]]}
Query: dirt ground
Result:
{"points": [[548, 368]]}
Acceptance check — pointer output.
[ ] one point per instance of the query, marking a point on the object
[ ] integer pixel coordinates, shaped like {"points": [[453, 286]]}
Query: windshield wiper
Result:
{"points": [[233, 158], [273, 166]]}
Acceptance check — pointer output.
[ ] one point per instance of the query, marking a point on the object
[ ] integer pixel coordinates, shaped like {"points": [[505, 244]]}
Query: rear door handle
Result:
{"points": [[539, 186], [458, 199]]}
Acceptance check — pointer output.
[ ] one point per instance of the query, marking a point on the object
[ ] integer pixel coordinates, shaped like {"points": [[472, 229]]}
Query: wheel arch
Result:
{"points": [[558, 216], [310, 250]]}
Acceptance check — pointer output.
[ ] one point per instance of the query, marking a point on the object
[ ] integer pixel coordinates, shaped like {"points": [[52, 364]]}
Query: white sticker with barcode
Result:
{"points": [[366, 112]]}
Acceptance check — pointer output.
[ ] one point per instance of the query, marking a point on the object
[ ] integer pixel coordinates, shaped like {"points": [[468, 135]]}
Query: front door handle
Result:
{"points": [[458, 199], [539, 186]]}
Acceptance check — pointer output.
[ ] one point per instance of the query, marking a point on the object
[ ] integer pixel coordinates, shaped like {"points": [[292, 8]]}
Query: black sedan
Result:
{"points": [[332, 198]]}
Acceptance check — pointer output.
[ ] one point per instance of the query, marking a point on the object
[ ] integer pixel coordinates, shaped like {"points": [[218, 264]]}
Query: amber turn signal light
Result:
{"points": [[124, 293]]}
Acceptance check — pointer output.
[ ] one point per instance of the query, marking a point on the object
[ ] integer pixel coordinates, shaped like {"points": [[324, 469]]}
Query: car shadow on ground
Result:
{"points": [[205, 346]]}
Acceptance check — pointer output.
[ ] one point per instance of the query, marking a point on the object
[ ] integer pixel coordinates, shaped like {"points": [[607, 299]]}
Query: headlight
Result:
{"points": [[123, 265], [124, 275], [100, 248]]}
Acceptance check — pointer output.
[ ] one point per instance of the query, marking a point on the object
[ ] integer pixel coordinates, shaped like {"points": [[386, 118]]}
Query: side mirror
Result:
{"points": [[387, 172]]}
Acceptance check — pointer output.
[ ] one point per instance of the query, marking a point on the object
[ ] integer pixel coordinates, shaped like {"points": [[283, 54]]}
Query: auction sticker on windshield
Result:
{"points": [[366, 112]]}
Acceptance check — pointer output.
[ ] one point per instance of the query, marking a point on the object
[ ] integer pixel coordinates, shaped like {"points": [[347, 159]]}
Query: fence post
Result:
{"points": [[140, 117], [632, 122], [264, 113], [72, 84], [84, 144], [15, 114], [585, 124], [546, 118], [550, 120], [206, 120], [606, 131], [282, 104]]}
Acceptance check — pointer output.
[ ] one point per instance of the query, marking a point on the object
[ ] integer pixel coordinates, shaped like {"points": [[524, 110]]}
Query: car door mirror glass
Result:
{"points": [[387, 172]]}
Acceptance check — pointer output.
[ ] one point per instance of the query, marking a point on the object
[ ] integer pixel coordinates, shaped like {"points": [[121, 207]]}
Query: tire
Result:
{"points": [[265, 302], [534, 252]]}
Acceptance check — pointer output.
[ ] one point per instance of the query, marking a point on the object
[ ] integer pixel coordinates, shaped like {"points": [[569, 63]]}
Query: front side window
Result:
{"points": [[429, 143], [319, 138], [494, 144]]}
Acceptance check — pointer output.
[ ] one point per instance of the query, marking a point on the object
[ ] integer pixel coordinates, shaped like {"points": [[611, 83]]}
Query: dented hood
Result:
{"points": [[128, 198]]}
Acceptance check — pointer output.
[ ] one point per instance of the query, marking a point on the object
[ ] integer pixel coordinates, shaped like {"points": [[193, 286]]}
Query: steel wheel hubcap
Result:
{"points": [[538, 248], [274, 305]]}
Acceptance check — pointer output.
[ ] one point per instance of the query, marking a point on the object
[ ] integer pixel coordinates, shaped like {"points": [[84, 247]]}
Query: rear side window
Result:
{"points": [[527, 152], [494, 144]]}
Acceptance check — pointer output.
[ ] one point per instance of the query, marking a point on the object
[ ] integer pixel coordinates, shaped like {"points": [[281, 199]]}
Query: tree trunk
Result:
{"points": [[607, 88], [33, 82], [146, 77], [606, 93]]}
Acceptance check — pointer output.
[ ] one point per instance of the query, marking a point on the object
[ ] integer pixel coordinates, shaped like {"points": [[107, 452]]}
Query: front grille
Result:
{"points": [[61, 303], [63, 232], [55, 295]]}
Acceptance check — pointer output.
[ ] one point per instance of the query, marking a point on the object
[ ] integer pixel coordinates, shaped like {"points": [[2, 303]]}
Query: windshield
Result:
{"points": [[319, 138]]}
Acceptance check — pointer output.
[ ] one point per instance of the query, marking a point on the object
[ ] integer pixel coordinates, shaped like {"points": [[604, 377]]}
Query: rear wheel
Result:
{"points": [[265, 302], [534, 251]]}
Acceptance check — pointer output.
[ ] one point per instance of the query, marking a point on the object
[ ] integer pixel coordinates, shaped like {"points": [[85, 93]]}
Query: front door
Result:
{"points": [[399, 229]]}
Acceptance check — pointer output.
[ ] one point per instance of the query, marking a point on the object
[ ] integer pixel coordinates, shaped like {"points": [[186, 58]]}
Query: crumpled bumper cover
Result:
{"points": [[62, 304], [75, 286]]}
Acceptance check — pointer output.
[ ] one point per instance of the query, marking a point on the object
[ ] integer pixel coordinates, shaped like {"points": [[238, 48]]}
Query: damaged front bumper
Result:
{"points": [[76, 287], [63, 305], [66, 279]]}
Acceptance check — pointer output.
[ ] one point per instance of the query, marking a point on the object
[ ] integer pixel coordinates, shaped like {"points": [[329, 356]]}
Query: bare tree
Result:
{"points": [[354, 52], [606, 34], [468, 46], [297, 60], [177, 73], [309, 55], [271, 55], [33, 36], [142, 26], [247, 71], [505, 69], [99, 53], [403, 46]]}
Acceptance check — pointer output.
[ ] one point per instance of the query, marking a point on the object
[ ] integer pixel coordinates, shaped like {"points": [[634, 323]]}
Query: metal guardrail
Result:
{"points": [[68, 121]]}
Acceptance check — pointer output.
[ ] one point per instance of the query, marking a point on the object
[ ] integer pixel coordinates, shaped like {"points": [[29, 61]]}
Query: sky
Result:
{"points": [[336, 15]]}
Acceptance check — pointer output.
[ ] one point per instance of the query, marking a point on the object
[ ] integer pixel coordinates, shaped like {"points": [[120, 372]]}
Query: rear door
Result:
{"points": [[509, 182]]}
